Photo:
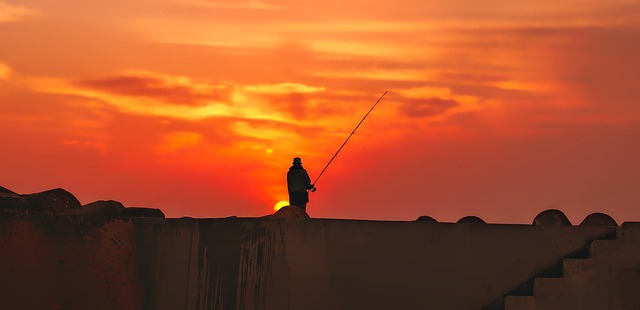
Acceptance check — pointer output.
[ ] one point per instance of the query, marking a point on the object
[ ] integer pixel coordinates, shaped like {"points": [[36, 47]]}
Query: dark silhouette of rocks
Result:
{"points": [[56, 200], [4, 190], [116, 208], [551, 217], [289, 212], [12, 201], [425, 218], [102, 207], [471, 219], [598, 219], [9, 200], [142, 212], [60, 201]]}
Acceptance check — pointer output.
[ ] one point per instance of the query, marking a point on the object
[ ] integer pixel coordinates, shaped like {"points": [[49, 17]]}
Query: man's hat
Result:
{"points": [[297, 160]]}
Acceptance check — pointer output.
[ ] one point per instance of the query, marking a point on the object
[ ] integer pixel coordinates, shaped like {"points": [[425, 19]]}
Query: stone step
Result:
{"points": [[555, 303], [519, 303], [577, 266], [548, 286]]}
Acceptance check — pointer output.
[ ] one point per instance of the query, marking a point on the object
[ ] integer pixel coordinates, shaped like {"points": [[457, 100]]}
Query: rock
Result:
{"points": [[56, 200], [289, 212], [551, 217], [142, 212], [598, 219], [12, 201], [4, 190], [471, 219], [425, 218], [102, 207]]}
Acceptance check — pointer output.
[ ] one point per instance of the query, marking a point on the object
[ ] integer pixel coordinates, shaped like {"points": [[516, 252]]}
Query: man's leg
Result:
{"points": [[298, 199]]}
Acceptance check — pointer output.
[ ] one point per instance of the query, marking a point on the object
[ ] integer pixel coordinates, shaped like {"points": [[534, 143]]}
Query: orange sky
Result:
{"points": [[196, 107]]}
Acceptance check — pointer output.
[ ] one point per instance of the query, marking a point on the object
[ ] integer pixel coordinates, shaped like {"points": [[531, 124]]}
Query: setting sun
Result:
{"points": [[280, 204]]}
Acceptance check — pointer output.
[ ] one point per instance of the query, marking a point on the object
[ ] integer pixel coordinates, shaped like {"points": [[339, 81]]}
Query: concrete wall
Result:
{"points": [[71, 262], [62, 262], [609, 278]]}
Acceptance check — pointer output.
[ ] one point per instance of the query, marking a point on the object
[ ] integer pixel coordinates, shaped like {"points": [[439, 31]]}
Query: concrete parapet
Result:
{"points": [[255, 263]]}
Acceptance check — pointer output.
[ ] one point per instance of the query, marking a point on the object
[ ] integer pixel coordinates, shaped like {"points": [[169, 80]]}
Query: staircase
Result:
{"points": [[607, 278]]}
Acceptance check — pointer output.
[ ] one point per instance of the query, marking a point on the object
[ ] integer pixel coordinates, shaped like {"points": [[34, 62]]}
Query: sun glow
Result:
{"points": [[280, 204]]}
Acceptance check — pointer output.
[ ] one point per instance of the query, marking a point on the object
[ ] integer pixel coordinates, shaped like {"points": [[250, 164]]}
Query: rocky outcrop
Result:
{"points": [[102, 207], [56, 201], [12, 201], [60, 201], [142, 212], [6, 191]]}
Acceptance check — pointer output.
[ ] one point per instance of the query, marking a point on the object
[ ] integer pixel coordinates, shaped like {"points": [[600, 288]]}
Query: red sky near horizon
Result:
{"points": [[197, 107]]}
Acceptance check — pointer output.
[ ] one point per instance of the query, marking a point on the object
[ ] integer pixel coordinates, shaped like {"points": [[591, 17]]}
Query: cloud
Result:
{"points": [[5, 72], [10, 13], [234, 4], [283, 88], [381, 74], [177, 140], [254, 117], [437, 102], [151, 93], [426, 107], [172, 89], [91, 144], [136, 105]]}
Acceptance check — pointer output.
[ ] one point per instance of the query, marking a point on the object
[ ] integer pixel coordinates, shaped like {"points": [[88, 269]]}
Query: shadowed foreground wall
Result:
{"points": [[76, 262]]}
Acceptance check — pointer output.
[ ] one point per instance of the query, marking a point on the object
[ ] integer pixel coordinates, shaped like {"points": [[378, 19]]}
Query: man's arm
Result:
{"points": [[309, 186]]}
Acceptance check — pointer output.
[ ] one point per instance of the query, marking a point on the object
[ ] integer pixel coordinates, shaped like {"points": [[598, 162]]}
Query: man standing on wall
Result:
{"points": [[298, 183]]}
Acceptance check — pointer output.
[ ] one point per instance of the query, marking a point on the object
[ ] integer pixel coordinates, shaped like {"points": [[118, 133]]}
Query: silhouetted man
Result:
{"points": [[298, 183]]}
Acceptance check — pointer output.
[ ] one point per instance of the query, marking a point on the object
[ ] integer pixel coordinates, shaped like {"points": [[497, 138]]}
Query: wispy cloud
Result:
{"points": [[172, 89], [284, 88], [14, 13], [177, 140], [5, 72], [136, 103], [436, 103], [231, 4], [427, 107], [150, 93]]}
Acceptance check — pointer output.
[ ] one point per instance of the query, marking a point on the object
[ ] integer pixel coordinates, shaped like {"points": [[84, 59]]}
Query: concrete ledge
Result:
{"points": [[156, 263]]}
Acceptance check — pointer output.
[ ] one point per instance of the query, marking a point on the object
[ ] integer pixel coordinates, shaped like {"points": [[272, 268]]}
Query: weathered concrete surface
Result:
{"points": [[76, 262], [67, 262]]}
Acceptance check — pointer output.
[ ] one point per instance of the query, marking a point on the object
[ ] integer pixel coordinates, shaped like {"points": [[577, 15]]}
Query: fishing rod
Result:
{"points": [[345, 141]]}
